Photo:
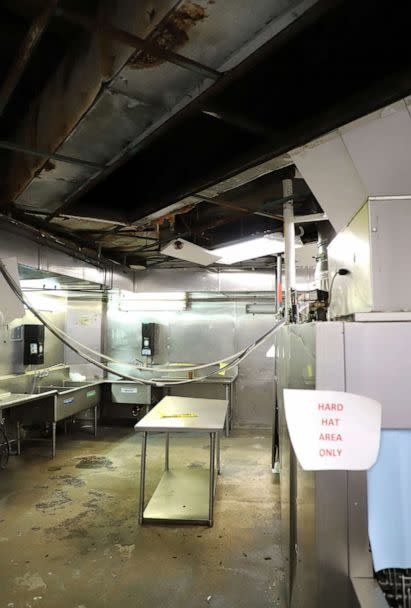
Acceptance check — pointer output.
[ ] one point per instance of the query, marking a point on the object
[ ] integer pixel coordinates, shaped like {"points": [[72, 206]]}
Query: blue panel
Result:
{"points": [[389, 502]]}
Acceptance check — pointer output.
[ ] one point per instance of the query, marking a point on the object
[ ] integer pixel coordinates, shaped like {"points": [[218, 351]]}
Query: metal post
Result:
{"points": [[227, 418], [18, 438], [231, 404], [142, 477], [53, 445], [167, 452], [212, 481], [279, 284], [218, 454], [289, 246], [95, 419]]}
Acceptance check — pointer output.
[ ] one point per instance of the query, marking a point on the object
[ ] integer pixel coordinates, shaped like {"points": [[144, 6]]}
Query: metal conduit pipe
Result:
{"points": [[279, 283], [289, 246]]}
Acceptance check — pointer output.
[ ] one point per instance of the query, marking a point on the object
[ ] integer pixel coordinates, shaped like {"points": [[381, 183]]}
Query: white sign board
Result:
{"points": [[333, 430]]}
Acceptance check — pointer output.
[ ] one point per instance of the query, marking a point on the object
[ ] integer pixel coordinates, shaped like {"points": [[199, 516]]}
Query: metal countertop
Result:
{"points": [[210, 417], [19, 398], [163, 380]]}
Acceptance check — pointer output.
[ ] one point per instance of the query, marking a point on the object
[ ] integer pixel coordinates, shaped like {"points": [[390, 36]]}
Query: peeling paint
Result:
{"points": [[171, 35]]}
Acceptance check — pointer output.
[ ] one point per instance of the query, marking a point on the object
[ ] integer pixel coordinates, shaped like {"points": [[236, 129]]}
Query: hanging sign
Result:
{"points": [[333, 430]]}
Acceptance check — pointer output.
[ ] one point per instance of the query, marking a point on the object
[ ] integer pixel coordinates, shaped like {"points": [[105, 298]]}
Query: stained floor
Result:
{"points": [[69, 535]]}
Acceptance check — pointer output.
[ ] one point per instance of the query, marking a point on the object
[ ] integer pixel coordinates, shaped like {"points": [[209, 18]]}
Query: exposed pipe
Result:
{"points": [[312, 217], [10, 145], [278, 283], [216, 200], [149, 47], [25, 52], [289, 247], [234, 360]]}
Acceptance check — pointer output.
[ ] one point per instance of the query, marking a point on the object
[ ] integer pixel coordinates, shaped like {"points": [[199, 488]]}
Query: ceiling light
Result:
{"points": [[137, 267], [258, 247], [155, 301], [183, 250]]}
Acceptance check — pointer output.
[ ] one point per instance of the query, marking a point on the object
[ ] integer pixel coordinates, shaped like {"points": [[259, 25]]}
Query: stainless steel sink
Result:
{"points": [[72, 398]]}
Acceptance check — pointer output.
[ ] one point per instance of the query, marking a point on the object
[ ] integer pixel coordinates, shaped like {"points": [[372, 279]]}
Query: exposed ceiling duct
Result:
{"points": [[349, 165], [112, 93], [128, 125]]}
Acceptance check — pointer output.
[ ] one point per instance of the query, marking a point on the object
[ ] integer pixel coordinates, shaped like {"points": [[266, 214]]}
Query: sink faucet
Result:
{"points": [[42, 373]]}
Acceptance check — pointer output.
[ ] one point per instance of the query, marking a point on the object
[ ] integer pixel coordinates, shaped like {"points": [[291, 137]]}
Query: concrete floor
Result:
{"points": [[69, 536]]}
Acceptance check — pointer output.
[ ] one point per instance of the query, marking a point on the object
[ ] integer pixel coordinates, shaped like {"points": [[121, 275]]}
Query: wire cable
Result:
{"points": [[50, 326], [341, 272]]}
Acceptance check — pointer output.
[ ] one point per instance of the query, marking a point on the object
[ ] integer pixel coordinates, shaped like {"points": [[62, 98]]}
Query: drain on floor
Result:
{"points": [[94, 462]]}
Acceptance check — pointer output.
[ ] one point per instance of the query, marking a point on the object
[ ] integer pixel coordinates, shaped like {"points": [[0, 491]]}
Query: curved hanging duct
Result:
{"points": [[368, 157], [107, 97]]}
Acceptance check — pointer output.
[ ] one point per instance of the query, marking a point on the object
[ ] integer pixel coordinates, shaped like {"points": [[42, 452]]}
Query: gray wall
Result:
{"points": [[206, 332], [11, 353], [83, 323]]}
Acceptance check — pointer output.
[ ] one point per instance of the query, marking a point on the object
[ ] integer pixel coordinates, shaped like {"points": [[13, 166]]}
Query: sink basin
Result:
{"points": [[66, 385]]}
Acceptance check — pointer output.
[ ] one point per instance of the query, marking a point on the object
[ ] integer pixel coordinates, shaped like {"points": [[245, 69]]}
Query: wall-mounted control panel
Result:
{"points": [[33, 344], [147, 339]]}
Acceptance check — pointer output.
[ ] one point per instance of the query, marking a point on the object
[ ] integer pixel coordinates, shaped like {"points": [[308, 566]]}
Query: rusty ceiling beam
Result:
{"points": [[149, 47], [216, 200], [242, 122], [10, 145], [25, 52]]}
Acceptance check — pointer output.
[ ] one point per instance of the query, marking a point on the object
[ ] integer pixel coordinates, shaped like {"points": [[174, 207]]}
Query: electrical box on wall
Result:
{"points": [[147, 339], [33, 344]]}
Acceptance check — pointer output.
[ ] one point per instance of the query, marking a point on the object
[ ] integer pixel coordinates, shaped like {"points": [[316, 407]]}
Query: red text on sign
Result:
{"points": [[330, 437], [330, 421], [331, 407], [330, 452]]}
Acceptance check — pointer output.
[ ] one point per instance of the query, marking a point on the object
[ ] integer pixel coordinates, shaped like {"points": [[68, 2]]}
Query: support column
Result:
{"points": [[289, 245], [279, 283]]}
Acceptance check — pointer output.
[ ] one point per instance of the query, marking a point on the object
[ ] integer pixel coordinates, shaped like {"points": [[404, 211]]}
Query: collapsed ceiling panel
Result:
{"points": [[107, 124], [137, 123]]}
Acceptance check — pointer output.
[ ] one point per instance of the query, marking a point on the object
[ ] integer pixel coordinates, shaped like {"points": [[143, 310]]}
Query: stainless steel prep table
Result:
{"points": [[183, 495], [226, 381]]}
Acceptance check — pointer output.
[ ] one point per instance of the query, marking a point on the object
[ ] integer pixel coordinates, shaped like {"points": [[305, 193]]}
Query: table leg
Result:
{"points": [[53, 439], [142, 477], [167, 453], [218, 455], [231, 404], [95, 419], [18, 438], [212, 481], [227, 418]]}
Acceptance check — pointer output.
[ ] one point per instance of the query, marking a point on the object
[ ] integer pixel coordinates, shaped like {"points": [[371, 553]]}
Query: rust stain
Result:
{"points": [[49, 166], [171, 35]]}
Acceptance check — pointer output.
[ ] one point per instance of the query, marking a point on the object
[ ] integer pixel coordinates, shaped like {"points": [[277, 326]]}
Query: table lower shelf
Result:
{"points": [[182, 496]]}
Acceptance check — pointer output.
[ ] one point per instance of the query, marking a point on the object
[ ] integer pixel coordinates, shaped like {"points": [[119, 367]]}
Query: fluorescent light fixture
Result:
{"points": [[257, 247], [46, 303], [184, 250], [270, 244], [155, 301]]}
